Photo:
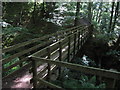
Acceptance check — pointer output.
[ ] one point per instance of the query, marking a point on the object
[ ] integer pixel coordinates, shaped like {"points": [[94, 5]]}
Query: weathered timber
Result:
{"points": [[34, 65], [23, 52], [8, 49], [48, 65], [84, 69]]}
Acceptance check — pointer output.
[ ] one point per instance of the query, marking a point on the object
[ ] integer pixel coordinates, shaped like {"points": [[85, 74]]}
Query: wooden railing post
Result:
{"points": [[69, 48], [81, 37], [84, 36], [90, 30], [60, 58], [20, 60], [34, 68], [78, 40], [74, 52], [48, 67], [114, 83]]}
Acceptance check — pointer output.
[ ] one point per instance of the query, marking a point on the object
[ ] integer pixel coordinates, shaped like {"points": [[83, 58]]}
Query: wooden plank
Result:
{"points": [[48, 65], [45, 70], [84, 69], [78, 40], [23, 44], [72, 48], [70, 29], [54, 52], [65, 45], [60, 58], [74, 44], [52, 45], [64, 40], [31, 41], [42, 53], [64, 55], [43, 73], [23, 52], [69, 46], [56, 44], [34, 67]]}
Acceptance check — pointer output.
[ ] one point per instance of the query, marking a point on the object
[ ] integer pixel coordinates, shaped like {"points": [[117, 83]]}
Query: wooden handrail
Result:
{"points": [[57, 42], [64, 40], [84, 69], [33, 40], [69, 45]]}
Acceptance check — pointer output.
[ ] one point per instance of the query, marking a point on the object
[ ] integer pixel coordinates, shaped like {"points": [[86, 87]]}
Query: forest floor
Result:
{"points": [[19, 80]]}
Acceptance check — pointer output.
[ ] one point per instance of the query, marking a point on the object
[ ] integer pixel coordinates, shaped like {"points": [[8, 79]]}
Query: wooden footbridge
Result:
{"points": [[39, 57]]}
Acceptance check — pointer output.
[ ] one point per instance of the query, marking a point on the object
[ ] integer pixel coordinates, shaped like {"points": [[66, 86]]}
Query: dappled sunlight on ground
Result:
{"points": [[22, 82]]}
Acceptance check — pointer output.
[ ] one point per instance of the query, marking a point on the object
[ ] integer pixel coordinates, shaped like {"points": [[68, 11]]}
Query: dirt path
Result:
{"points": [[19, 80]]}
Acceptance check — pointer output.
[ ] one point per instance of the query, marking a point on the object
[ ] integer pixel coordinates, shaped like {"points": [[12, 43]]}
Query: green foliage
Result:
{"points": [[113, 52], [75, 80], [9, 64], [84, 82], [13, 30], [16, 13], [102, 38], [14, 34]]}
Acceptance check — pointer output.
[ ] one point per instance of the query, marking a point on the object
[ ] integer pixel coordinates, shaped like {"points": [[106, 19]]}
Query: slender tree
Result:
{"points": [[116, 15], [111, 18], [33, 13], [77, 13], [99, 13], [89, 11]]}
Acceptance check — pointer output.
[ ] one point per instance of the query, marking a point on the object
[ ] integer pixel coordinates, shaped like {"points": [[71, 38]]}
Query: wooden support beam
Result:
{"points": [[35, 40], [69, 42], [74, 44], [23, 52], [60, 57], [78, 40], [84, 69], [34, 67], [49, 66]]}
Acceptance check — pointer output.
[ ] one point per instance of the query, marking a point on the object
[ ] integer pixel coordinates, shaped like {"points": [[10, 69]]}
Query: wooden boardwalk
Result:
{"points": [[21, 78], [46, 55]]}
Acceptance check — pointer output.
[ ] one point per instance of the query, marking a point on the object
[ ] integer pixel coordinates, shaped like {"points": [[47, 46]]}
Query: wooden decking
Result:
{"points": [[46, 55], [21, 78]]}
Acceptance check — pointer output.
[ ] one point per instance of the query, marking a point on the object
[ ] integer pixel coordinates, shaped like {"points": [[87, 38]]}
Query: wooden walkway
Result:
{"points": [[39, 61], [21, 78]]}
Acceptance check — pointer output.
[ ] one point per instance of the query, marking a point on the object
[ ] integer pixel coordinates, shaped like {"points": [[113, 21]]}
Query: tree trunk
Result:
{"points": [[21, 14], [77, 13], [89, 11], [33, 13], [116, 15], [113, 4], [93, 16], [117, 44], [99, 13]]}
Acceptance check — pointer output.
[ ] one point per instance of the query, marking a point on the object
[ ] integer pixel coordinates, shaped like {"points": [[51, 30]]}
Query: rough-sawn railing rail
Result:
{"points": [[22, 52]]}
